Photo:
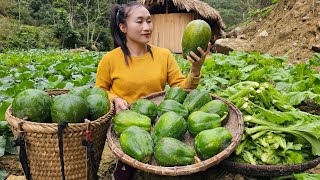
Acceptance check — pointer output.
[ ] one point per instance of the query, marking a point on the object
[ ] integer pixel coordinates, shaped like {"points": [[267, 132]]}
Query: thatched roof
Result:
{"points": [[202, 8]]}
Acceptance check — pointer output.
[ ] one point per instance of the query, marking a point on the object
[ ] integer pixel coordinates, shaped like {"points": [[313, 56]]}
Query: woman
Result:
{"points": [[135, 69]]}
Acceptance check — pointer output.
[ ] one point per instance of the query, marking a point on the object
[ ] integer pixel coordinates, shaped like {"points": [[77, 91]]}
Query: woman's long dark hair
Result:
{"points": [[119, 15]]}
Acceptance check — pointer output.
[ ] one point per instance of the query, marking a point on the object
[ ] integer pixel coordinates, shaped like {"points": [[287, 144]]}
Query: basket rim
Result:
{"points": [[181, 170], [52, 128], [261, 166], [270, 170]]}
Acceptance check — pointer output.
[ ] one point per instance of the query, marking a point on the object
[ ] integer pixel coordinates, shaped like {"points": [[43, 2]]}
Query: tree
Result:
{"points": [[76, 22], [234, 12], [94, 11]]}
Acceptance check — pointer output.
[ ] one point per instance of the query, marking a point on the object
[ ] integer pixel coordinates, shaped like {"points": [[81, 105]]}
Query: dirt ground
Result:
{"points": [[291, 29], [11, 164]]}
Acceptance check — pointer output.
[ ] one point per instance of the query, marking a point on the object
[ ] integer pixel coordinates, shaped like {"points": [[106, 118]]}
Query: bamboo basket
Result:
{"points": [[268, 170], [234, 124], [42, 147]]}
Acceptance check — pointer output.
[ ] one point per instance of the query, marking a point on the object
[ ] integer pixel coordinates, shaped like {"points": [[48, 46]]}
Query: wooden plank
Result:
{"points": [[168, 30]]}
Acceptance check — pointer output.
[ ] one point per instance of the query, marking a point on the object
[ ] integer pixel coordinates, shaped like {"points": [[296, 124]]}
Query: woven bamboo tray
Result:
{"points": [[267, 170], [234, 124], [43, 150]]}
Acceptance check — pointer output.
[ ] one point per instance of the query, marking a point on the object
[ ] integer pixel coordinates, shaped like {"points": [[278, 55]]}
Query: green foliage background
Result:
{"points": [[29, 24], [235, 12], [39, 24]]}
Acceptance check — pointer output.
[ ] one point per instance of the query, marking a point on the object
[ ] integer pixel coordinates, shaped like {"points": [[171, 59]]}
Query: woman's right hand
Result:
{"points": [[120, 104]]}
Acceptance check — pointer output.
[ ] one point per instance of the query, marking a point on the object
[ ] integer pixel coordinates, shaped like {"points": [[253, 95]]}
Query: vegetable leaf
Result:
{"points": [[2, 145]]}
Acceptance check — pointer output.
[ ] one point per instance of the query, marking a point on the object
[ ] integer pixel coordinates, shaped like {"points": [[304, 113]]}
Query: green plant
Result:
{"points": [[6, 140], [30, 37]]}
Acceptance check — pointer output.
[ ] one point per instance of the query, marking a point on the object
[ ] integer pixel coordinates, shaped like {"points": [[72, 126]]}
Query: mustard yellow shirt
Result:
{"points": [[143, 76]]}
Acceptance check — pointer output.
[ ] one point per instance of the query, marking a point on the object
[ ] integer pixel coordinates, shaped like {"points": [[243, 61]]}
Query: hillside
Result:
{"points": [[292, 29]]}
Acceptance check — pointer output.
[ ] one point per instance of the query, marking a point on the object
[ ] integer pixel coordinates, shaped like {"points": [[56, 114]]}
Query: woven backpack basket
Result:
{"points": [[234, 124], [42, 146]]}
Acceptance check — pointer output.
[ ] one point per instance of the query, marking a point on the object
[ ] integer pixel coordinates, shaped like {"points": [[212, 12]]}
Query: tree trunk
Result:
{"points": [[71, 14], [88, 22]]}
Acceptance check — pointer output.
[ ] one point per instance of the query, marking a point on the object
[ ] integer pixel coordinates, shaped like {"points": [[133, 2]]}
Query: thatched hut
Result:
{"points": [[170, 17]]}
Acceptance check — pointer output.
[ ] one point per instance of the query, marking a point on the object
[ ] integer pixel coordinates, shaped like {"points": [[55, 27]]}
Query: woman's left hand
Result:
{"points": [[198, 61]]}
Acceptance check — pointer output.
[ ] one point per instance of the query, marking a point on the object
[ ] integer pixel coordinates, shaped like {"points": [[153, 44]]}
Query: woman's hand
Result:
{"points": [[198, 61], [120, 104]]}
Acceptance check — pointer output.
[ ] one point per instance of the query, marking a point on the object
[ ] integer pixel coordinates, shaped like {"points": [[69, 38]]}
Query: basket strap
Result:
{"points": [[89, 143], [23, 155], [60, 138]]}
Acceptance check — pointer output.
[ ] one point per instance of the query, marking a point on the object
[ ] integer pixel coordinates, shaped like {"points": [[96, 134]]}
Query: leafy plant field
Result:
{"points": [[52, 69], [41, 69], [284, 96], [272, 95]]}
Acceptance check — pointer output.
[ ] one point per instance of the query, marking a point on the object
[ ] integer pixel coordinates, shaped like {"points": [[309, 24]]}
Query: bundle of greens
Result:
{"points": [[275, 131]]}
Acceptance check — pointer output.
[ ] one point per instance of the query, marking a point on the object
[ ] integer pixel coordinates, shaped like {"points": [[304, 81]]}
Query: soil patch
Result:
{"points": [[291, 29], [11, 164]]}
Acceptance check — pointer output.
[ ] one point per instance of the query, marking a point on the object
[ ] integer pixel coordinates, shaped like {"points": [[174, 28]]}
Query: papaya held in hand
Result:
{"points": [[196, 44], [196, 34]]}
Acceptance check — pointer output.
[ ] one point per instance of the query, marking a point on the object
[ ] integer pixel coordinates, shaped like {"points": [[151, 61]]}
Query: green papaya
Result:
{"points": [[69, 108], [80, 91], [171, 105], [98, 106], [196, 99], [196, 34], [170, 124], [137, 143], [127, 118], [176, 94], [199, 121], [97, 90], [172, 152], [210, 142], [32, 104], [145, 107], [215, 106]]}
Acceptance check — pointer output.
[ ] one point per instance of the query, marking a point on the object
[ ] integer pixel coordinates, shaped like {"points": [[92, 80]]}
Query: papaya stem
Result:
{"points": [[224, 116], [196, 159]]}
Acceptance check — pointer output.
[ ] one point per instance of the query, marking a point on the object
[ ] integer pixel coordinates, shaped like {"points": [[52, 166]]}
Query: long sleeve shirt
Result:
{"points": [[142, 76]]}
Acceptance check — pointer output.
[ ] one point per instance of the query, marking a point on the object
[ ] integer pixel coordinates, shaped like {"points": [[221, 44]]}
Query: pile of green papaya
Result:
{"points": [[78, 104], [149, 130]]}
